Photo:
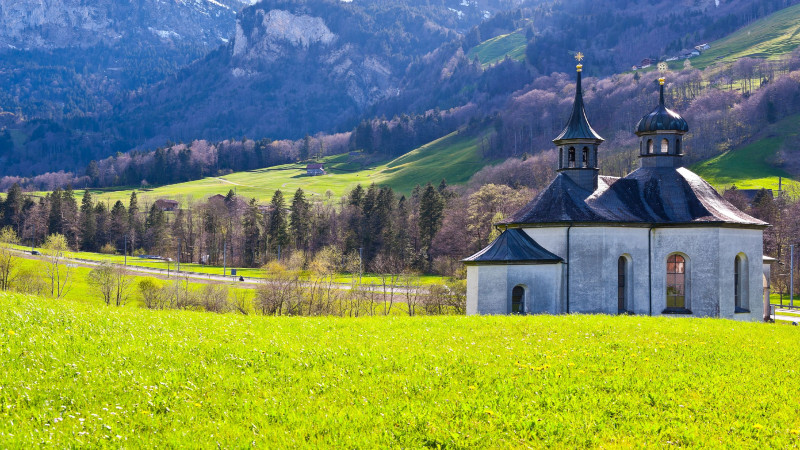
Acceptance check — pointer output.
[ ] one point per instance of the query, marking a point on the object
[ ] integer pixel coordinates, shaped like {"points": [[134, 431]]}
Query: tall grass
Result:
{"points": [[78, 376]]}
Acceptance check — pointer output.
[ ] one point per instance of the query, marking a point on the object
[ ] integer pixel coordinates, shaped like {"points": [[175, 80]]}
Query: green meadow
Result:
{"points": [[749, 167], [494, 50], [77, 375], [455, 157], [770, 37]]}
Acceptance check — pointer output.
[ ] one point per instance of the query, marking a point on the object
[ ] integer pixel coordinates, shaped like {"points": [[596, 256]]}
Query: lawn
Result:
{"points": [[75, 375], [455, 157], [747, 167], [497, 48]]}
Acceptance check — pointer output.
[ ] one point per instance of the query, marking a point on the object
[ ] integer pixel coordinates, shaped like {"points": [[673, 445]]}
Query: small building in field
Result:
{"points": [[315, 169], [659, 241], [166, 204]]}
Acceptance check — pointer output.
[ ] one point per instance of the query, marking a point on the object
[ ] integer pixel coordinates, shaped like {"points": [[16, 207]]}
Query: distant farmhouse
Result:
{"points": [[315, 169], [166, 204], [659, 241]]}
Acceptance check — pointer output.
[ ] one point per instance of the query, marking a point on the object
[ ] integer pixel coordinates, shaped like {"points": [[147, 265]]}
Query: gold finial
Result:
{"points": [[579, 58], [661, 81], [662, 67]]}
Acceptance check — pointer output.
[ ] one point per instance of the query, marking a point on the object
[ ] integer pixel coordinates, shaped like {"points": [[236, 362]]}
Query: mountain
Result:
{"points": [[66, 58], [291, 68]]}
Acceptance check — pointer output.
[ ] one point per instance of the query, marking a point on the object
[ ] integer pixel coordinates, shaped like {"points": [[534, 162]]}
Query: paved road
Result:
{"points": [[248, 283]]}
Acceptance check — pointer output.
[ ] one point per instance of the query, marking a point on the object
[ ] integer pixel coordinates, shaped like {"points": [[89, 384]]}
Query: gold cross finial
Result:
{"points": [[579, 56]]}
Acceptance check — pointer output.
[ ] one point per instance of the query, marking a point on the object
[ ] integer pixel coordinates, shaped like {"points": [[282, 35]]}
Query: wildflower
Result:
{"points": [[11, 332], [198, 405], [570, 364], [795, 431], [489, 412], [472, 388], [758, 426]]}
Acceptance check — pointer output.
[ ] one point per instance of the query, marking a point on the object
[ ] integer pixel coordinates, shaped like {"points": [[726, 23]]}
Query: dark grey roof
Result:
{"points": [[649, 195], [662, 119], [578, 125], [513, 246]]}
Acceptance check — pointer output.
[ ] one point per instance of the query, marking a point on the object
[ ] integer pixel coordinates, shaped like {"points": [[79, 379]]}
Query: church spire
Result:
{"points": [[578, 126], [578, 142]]}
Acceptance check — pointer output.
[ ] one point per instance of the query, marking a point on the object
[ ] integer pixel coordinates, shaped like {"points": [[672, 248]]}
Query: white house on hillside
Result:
{"points": [[660, 241]]}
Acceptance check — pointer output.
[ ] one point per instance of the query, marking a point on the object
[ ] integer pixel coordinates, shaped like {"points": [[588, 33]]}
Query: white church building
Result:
{"points": [[660, 241]]}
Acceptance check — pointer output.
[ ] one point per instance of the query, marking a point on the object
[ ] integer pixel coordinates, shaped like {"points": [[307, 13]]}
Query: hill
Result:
{"points": [[770, 37], [92, 376], [455, 157], [753, 166], [496, 49]]}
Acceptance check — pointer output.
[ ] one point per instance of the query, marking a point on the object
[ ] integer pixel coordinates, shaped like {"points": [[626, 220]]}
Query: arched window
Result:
{"points": [[585, 157], [676, 282], [678, 150], [571, 157], [622, 285], [518, 300], [649, 146], [664, 146], [740, 284]]}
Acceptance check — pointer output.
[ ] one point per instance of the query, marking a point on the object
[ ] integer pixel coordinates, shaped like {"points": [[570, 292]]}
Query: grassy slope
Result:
{"points": [[770, 37], [75, 375], [495, 49], [747, 167], [454, 157]]}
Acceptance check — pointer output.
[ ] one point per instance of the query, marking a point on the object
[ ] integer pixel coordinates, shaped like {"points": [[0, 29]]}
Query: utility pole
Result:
{"points": [[360, 262], [126, 250], [791, 275], [178, 264], [224, 255]]}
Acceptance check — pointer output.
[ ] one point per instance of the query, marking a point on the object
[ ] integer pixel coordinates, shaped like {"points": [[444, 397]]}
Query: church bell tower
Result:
{"points": [[578, 143], [661, 134]]}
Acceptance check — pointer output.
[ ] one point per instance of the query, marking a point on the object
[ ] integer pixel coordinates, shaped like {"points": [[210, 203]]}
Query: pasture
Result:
{"points": [[74, 375]]}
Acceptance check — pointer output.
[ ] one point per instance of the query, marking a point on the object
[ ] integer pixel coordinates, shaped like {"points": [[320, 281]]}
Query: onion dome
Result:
{"points": [[662, 118], [578, 125]]}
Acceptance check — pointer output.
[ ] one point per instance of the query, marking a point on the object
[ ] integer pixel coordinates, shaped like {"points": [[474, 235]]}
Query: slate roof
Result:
{"points": [[578, 125], [662, 119], [513, 246], [649, 195]]}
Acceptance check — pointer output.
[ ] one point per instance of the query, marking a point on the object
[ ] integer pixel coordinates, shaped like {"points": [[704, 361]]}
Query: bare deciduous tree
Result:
{"points": [[57, 270], [112, 282], [9, 257]]}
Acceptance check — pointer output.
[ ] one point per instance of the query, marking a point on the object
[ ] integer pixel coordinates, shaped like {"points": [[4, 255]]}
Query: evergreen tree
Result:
{"points": [[70, 217], [119, 225], [135, 229], [12, 208], [277, 234], [155, 229], [88, 225], [252, 234], [300, 220], [102, 225], [55, 219], [431, 213]]}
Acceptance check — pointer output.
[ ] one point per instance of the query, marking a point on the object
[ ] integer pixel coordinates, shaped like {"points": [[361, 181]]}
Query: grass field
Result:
{"points": [[494, 50], [770, 37], [455, 157], [79, 376], [747, 167]]}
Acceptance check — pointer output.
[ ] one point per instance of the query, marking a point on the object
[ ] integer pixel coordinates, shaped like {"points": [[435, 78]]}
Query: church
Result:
{"points": [[659, 241]]}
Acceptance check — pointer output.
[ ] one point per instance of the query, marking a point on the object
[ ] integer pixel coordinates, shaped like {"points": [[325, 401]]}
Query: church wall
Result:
{"points": [[594, 255], [489, 288], [732, 242], [700, 246]]}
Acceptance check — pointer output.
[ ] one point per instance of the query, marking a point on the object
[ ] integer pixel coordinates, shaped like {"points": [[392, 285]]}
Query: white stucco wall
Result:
{"points": [[594, 252], [489, 288]]}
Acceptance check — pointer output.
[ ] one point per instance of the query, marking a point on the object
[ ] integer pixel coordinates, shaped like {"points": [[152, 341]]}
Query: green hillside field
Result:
{"points": [[494, 50], [748, 167], [770, 37], [455, 157], [77, 375]]}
